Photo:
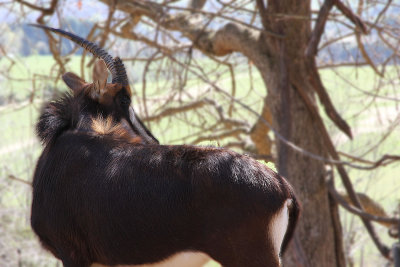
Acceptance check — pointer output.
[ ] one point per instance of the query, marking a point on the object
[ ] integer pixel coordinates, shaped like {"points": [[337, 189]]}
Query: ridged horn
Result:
{"points": [[92, 48], [121, 76]]}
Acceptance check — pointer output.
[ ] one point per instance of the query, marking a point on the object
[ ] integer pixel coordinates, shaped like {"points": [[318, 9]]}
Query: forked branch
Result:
{"points": [[371, 217]]}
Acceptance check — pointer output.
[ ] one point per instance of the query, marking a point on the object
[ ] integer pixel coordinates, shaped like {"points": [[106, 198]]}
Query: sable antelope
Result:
{"points": [[105, 191]]}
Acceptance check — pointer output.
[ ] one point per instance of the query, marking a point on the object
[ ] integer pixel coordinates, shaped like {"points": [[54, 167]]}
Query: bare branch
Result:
{"points": [[175, 110], [319, 28], [336, 195], [325, 99], [362, 49], [351, 16], [230, 38], [197, 4], [313, 76], [13, 177], [47, 11]]}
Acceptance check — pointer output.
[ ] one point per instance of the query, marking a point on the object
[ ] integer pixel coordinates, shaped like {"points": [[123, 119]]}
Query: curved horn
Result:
{"points": [[92, 48], [121, 76]]}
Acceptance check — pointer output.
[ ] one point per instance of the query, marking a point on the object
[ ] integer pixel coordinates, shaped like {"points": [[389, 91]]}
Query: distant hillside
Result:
{"points": [[25, 40], [34, 41]]}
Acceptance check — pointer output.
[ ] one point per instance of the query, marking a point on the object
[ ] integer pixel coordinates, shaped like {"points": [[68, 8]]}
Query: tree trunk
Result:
{"points": [[317, 234], [317, 240]]}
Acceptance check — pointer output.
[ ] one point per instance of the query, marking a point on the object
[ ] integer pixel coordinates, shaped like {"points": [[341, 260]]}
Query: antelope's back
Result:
{"points": [[112, 200]]}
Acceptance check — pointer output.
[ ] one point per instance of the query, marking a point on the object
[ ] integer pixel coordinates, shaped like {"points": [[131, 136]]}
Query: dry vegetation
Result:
{"points": [[192, 87]]}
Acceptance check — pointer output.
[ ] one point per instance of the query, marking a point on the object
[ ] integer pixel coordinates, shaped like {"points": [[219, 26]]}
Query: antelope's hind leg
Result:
{"points": [[248, 245]]}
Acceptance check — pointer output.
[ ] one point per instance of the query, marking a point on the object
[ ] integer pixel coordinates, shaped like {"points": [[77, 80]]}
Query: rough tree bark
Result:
{"points": [[318, 236]]}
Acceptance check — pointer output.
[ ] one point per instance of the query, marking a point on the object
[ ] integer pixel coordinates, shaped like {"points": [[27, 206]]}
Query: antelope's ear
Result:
{"points": [[100, 74], [73, 81]]}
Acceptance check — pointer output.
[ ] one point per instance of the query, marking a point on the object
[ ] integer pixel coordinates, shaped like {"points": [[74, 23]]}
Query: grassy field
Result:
{"points": [[370, 114]]}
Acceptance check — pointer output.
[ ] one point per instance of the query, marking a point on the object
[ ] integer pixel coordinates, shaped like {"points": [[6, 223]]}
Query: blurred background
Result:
{"points": [[232, 73]]}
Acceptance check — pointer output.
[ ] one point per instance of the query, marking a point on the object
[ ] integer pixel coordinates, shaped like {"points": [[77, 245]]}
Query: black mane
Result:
{"points": [[56, 117]]}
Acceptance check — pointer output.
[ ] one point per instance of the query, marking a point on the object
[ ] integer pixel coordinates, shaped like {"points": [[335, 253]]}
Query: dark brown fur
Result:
{"points": [[102, 192]]}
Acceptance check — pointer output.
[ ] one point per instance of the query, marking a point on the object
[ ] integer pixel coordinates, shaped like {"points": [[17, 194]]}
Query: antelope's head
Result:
{"points": [[100, 105]]}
